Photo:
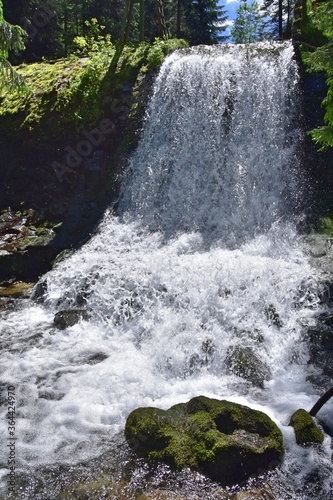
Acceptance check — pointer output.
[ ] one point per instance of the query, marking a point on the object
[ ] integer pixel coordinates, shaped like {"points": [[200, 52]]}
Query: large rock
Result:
{"points": [[226, 441]]}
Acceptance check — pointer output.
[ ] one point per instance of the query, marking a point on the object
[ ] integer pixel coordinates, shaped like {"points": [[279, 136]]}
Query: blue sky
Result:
{"points": [[231, 7]]}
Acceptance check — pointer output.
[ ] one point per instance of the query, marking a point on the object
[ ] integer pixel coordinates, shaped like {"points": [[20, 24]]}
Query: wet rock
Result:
{"points": [[273, 316], [96, 358], [40, 291], [66, 318], [253, 334], [203, 358], [242, 361], [16, 290], [306, 430], [320, 340], [25, 245], [326, 295], [225, 441], [51, 395]]}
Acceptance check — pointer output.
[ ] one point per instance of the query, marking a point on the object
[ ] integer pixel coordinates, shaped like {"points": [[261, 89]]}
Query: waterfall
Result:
{"points": [[201, 260], [219, 150]]}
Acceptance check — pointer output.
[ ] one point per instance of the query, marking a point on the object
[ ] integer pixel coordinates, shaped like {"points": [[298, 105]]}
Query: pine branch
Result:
{"points": [[10, 78]]}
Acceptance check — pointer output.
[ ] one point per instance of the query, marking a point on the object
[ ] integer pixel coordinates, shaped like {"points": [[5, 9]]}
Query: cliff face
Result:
{"points": [[63, 147]]}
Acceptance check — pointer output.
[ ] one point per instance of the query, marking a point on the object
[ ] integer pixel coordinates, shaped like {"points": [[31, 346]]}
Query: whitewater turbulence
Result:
{"points": [[200, 260]]}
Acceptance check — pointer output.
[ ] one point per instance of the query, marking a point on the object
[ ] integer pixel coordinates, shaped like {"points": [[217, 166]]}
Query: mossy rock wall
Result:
{"points": [[65, 143]]}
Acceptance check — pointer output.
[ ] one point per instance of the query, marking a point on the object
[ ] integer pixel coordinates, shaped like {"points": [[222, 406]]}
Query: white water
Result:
{"points": [[204, 241]]}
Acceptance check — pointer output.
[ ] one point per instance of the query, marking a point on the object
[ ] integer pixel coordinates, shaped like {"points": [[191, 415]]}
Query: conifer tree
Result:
{"points": [[11, 38], [248, 26], [321, 60], [204, 22], [279, 16]]}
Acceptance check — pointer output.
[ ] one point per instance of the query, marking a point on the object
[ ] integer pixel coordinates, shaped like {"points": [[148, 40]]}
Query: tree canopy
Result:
{"points": [[53, 25]]}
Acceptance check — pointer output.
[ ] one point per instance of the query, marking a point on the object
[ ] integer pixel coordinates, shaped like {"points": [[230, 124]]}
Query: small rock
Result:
{"points": [[40, 291], [17, 290], [273, 316], [306, 430], [66, 318]]}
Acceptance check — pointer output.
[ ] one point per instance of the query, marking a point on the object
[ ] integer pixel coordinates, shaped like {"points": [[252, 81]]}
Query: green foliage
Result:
{"points": [[204, 21], [57, 29], [320, 59], [93, 41], [161, 48], [71, 91], [155, 55], [327, 226]]}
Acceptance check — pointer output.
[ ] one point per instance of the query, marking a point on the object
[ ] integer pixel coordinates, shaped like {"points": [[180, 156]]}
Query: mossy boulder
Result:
{"points": [[306, 430], [226, 441]]}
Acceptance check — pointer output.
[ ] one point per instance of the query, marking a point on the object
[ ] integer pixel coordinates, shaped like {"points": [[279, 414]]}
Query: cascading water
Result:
{"points": [[200, 260], [214, 155]]}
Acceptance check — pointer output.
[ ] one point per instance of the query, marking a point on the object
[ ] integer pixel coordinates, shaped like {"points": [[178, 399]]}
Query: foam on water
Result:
{"points": [[202, 248]]}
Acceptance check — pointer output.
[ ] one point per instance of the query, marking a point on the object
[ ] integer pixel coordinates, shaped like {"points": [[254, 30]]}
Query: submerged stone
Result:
{"points": [[243, 362], [320, 338], [226, 441], [273, 316], [66, 318], [306, 430], [16, 290]]}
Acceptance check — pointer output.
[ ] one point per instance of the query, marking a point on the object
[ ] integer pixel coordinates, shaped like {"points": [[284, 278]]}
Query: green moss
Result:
{"points": [[64, 91], [224, 440], [72, 91], [306, 431], [42, 239], [327, 226]]}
